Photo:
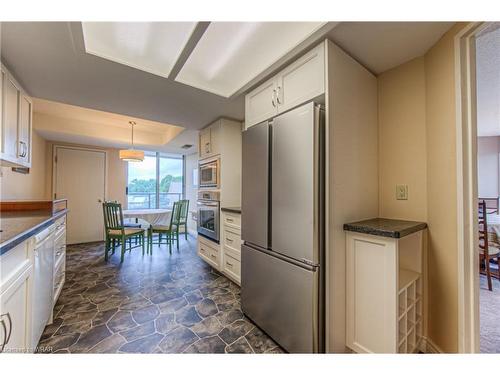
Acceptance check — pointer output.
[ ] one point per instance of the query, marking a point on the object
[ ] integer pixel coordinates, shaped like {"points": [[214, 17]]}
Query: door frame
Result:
{"points": [[467, 188]]}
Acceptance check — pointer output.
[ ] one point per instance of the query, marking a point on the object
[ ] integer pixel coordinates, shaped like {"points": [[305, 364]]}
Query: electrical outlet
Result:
{"points": [[402, 192]]}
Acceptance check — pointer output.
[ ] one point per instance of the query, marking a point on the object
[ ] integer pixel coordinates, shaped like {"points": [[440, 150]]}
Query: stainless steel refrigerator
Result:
{"points": [[282, 266]]}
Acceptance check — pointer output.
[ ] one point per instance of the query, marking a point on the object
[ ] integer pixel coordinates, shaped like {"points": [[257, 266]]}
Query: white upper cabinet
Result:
{"points": [[10, 116], [205, 143], [16, 126], [261, 103], [302, 80], [24, 129]]}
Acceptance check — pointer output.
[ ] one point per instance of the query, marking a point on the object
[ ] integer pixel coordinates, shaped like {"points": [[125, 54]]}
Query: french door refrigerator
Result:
{"points": [[282, 266]]}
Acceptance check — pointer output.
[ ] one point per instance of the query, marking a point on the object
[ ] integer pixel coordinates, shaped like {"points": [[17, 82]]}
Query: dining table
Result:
{"points": [[153, 216]]}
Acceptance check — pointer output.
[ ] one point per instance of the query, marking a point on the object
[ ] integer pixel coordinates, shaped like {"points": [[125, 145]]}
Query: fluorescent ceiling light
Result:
{"points": [[231, 54], [150, 46]]}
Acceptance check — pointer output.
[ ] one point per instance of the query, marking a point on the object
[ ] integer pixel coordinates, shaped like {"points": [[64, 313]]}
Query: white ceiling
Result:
{"points": [[488, 82], [153, 47], [231, 54]]}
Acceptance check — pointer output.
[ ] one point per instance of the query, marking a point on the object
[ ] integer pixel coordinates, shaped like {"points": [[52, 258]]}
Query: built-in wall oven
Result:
{"points": [[209, 174], [208, 214]]}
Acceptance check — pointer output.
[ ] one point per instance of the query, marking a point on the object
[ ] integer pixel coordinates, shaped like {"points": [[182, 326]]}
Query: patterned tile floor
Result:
{"points": [[149, 304]]}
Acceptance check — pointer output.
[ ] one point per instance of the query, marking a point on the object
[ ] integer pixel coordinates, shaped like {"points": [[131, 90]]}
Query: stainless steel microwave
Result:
{"points": [[209, 174]]}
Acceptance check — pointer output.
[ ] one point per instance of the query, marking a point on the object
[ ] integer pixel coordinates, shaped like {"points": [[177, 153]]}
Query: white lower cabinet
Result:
{"points": [[231, 246], [226, 256], [384, 293], [15, 299], [209, 251]]}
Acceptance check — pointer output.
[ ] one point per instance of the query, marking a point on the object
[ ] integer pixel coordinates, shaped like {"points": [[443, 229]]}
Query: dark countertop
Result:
{"points": [[17, 226], [234, 210], [386, 227]]}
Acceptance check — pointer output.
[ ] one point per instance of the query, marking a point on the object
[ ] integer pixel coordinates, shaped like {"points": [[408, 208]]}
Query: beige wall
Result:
{"points": [[441, 190], [402, 141], [417, 130], [32, 186]]}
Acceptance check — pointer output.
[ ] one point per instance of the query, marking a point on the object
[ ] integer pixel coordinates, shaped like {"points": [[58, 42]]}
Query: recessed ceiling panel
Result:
{"points": [[150, 46], [231, 54]]}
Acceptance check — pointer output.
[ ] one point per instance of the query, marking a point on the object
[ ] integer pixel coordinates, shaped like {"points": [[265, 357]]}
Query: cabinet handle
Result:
{"points": [[229, 264], [278, 95], [6, 336], [229, 219], [229, 239], [22, 154], [207, 147], [213, 256], [273, 98], [4, 328]]}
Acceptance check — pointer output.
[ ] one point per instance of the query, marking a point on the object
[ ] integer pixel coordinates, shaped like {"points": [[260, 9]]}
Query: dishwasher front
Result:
{"points": [[43, 283]]}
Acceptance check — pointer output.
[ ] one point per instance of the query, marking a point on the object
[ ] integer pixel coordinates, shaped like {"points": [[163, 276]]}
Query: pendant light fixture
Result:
{"points": [[131, 154]]}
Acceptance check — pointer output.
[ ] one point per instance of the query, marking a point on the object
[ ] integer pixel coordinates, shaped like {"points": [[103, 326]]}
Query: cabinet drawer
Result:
{"points": [[232, 267], [209, 253], [232, 220], [232, 240]]}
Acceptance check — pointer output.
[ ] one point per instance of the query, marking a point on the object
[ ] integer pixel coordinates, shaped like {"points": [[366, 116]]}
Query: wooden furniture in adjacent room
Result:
{"points": [[492, 204], [486, 249]]}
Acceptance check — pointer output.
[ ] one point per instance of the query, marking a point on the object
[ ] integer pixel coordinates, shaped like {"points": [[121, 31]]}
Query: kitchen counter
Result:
{"points": [[17, 226], [234, 210], [386, 227]]}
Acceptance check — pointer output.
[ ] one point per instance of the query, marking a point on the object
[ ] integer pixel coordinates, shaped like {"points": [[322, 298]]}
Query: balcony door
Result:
{"points": [[157, 182]]}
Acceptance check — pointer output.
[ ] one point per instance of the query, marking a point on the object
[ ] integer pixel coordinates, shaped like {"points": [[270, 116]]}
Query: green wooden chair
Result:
{"points": [[184, 217], [117, 232], [170, 231]]}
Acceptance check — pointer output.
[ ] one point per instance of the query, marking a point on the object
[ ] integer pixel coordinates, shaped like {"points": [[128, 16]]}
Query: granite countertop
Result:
{"points": [[17, 226], [234, 210], [386, 227]]}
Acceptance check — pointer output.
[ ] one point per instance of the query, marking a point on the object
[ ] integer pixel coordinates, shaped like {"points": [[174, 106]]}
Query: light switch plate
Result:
{"points": [[402, 192]]}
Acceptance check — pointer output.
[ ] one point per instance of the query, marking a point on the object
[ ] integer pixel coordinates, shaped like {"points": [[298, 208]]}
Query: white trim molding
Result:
{"points": [[467, 227]]}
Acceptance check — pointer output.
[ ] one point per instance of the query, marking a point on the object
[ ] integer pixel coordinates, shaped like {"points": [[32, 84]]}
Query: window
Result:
{"points": [[157, 182]]}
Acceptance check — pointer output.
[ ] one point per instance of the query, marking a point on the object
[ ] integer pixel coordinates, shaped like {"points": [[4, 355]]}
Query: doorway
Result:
{"points": [[79, 175], [478, 102]]}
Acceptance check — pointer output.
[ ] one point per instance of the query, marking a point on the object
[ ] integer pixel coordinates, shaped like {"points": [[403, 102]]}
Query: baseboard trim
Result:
{"points": [[429, 346]]}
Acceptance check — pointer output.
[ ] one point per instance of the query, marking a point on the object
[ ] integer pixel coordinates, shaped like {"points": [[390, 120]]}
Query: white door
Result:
{"points": [[80, 178]]}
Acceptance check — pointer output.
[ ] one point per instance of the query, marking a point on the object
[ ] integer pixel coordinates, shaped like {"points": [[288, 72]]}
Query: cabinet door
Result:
{"points": [[205, 143], [261, 104], [11, 104], [24, 130], [14, 314], [303, 80]]}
